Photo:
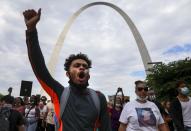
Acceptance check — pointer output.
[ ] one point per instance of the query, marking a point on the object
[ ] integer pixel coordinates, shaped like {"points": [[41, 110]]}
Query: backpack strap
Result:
{"points": [[28, 111], [95, 99], [64, 100]]}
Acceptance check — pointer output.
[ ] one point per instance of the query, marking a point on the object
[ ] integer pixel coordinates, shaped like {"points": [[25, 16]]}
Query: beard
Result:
{"points": [[80, 86], [74, 80]]}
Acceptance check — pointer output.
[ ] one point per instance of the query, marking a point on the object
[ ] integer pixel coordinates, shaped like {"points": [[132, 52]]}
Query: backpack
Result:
{"points": [[4, 118], [64, 98]]}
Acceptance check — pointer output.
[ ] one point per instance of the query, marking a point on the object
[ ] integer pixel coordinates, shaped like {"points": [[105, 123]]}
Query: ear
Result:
{"points": [[67, 74], [88, 76]]}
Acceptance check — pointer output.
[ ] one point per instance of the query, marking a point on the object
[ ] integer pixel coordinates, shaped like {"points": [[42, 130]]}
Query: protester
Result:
{"points": [[10, 90], [141, 114], [42, 121], [80, 113], [32, 114], [181, 108], [152, 97], [116, 110], [19, 105], [43, 99], [50, 117], [109, 107], [167, 115], [115, 114], [26, 100], [10, 119], [1, 103]]}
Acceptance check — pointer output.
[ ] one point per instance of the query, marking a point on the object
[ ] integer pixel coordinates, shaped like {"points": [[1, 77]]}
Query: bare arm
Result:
{"points": [[163, 127], [21, 128], [122, 127]]}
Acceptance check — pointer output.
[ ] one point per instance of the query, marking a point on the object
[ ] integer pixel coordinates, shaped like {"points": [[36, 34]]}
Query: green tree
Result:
{"points": [[1, 95], [163, 77]]}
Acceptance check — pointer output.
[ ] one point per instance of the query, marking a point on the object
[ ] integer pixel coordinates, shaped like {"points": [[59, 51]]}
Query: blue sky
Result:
{"points": [[138, 73], [179, 49], [99, 32]]}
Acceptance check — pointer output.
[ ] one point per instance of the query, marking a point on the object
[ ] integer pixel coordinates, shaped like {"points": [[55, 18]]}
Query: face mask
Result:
{"points": [[142, 99], [152, 98], [184, 91]]}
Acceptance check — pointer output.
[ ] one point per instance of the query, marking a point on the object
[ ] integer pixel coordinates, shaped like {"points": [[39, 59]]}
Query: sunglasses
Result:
{"points": [[142, 88]]}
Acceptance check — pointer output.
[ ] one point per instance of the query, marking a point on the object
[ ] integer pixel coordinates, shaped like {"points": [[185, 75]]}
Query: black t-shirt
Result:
{"points": [[16, 119]]}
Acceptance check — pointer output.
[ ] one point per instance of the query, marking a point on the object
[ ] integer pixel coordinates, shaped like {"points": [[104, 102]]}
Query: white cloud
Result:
{"points": [[99, 32]]}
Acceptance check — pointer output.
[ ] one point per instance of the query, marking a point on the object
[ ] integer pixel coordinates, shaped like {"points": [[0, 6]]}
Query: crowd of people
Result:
{"points": [[27, 113], [80, 108], [144, 113]]}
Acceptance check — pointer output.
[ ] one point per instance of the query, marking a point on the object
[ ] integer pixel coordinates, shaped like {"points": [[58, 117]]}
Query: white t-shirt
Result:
{"points": [[43, 112], [50, 115], [141, 116], [186, 112], [31, 113]]}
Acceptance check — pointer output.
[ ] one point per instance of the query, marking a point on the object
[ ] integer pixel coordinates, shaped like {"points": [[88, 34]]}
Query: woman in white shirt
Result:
{"points": [[140, 114], [32, 114]]}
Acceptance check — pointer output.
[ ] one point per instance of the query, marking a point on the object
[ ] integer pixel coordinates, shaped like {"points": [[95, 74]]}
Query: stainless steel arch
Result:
{"points": [[140, 43]]}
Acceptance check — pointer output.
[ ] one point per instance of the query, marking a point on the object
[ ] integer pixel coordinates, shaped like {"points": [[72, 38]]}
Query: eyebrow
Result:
{"points": [[78, 63]]}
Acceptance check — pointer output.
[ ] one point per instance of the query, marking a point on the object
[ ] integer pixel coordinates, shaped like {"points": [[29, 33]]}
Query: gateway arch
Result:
{"points": [[140, 43]]}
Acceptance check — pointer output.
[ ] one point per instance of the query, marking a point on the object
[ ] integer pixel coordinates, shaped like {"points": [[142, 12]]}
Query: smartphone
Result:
{"points": [[119, 89]]}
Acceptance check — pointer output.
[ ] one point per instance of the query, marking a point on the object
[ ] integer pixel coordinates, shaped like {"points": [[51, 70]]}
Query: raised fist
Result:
{"points": [[31, 18]]}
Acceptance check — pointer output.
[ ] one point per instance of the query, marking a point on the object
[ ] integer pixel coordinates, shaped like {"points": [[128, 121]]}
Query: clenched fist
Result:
{"points": [[31, 18]]}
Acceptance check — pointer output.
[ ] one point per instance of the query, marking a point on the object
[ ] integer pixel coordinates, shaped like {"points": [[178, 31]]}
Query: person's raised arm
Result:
{"points": [[31, 18], [52, 87]]}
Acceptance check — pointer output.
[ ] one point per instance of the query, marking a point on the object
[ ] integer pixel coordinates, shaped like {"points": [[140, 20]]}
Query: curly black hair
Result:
{"points": [[73, 57]]}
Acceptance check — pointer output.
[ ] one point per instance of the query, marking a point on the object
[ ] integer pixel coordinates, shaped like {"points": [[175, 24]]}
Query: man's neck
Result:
{"points": [[141, 101], [79, 89]]}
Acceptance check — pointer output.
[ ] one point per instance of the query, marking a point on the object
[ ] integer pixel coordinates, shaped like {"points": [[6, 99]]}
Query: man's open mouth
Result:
{"points": [[82, 75]]}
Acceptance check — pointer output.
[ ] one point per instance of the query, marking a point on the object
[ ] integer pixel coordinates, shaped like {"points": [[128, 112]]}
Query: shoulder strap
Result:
{"points": [[63, 100], [28, 111], [95, 99]]}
